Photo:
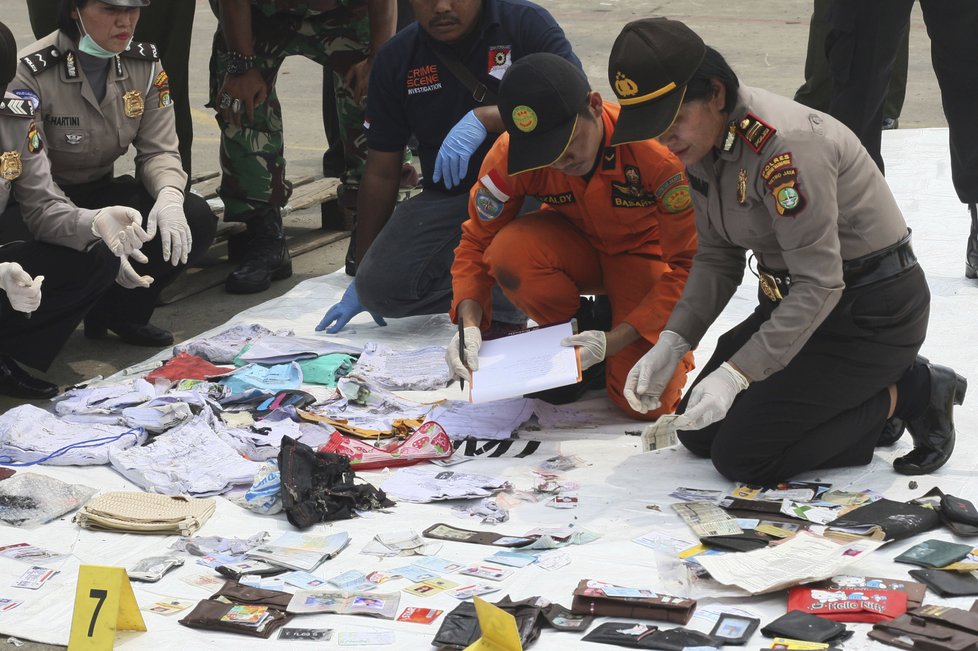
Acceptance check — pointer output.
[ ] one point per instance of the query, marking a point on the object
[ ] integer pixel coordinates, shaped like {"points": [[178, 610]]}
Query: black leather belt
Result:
{"points": [[859, 272]]}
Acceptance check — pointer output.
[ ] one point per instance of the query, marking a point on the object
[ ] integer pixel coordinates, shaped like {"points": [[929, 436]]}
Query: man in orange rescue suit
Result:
{"points": [[615, 221]]}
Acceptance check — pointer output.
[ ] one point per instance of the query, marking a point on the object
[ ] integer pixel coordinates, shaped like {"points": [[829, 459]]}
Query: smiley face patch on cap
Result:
{"points": [[525, 118]]}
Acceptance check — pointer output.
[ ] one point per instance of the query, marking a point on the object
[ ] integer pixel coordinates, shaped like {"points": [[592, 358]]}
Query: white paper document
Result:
{"points": [[498, 420], [512, 366], [804, 558]]}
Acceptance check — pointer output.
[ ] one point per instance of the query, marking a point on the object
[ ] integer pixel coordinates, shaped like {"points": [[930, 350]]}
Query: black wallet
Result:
{"points": [[797, 625], [948, 584], [644, 636], [888, 520]]}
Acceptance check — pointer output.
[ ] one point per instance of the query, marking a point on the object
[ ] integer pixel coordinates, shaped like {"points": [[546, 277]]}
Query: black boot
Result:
{"points": [[971, 257], [933, 429], [267, 255]]}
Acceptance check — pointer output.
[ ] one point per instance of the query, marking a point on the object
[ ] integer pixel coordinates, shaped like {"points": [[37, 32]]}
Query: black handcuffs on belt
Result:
{"points": [[858, 272]]}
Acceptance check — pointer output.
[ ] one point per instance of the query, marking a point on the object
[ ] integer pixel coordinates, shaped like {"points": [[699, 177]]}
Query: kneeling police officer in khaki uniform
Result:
{"points": [[96, 93], [826, 367], [51, 276]]}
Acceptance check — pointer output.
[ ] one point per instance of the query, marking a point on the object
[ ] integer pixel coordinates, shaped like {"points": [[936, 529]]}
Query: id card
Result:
{"points": [[419, 615], [34, 578], [490, 572]]}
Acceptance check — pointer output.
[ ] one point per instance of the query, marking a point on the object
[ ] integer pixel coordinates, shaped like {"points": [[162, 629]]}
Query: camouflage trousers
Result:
{"points": [[252, 155]]}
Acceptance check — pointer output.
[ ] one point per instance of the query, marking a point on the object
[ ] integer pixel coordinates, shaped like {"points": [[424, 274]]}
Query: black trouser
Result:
{"points": [[121, 305], [73, 282], [861, 47], [827, 407]]}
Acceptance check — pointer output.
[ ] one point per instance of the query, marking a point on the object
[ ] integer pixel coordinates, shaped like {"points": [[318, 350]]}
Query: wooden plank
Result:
{"points": [[197, 279]]}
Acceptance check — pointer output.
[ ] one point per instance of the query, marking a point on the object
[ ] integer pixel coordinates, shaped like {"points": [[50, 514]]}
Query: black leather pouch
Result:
{"points": [[948, 584], [797, 625]]}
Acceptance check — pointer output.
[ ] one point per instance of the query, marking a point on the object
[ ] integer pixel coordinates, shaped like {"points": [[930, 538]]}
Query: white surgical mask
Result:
{"points": [[88, 45]]}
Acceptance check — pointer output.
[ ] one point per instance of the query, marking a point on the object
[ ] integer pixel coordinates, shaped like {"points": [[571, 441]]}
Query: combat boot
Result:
{"points": [[266, 257], [971, 258]]}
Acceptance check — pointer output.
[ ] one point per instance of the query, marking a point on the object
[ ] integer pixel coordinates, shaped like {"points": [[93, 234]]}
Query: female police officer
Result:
{"points": [[53, 273], [97, 92], [811, 377]]}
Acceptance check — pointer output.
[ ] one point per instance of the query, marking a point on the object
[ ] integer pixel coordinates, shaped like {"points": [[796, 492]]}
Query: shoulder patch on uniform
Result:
{"points": [[146, 51], [19, 108], [782, 179], [609, 159], [487, 206], [29, 95], [667, 184], [754, 131], [162, 84], [34, 142], [38, 62], [677, 199]]}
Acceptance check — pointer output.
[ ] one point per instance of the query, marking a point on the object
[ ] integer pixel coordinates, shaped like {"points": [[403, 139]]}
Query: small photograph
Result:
{"points": [[368, 602]]}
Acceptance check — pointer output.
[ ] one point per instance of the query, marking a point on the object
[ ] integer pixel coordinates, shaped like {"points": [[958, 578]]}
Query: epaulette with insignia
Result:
{"points": [[146, 51], [18, 108], [754, 131], [38, 62]]}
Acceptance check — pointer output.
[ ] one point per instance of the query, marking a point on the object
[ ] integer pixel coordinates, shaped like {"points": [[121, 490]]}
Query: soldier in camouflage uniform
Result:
{"points": [[253, 41]]}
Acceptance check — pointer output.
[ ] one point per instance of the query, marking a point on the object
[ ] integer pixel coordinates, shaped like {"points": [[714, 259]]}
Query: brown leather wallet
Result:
{"points": [[592, 600], [209, 614], [931, 628]]}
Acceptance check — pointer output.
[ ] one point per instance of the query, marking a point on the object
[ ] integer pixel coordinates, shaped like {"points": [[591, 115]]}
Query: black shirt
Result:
{"points": [[411, 90]]}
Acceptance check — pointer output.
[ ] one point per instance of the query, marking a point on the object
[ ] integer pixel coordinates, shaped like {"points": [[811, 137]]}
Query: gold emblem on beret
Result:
{"points": [[10, 167], [132, 104]]}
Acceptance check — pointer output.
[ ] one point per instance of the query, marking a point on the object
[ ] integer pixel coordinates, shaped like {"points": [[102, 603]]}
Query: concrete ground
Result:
{"points": [[765, 43]]}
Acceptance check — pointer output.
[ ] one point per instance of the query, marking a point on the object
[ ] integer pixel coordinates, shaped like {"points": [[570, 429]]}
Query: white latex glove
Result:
{"points": [[651, 374], [593, 345], [461, 367], [119, 227], [128, 278], [710, 399], [167, 216], [23, 292]]}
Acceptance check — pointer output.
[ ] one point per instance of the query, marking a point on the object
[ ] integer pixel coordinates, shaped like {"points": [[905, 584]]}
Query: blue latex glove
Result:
{"points": [[348, 307], [461, 142]]}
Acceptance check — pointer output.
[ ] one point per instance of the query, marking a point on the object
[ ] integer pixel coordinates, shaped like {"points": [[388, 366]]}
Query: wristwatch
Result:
{"points": [[238, 64]]}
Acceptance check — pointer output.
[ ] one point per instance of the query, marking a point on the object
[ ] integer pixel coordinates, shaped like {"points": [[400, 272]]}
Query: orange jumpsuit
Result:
{"points": [[627, 232]]}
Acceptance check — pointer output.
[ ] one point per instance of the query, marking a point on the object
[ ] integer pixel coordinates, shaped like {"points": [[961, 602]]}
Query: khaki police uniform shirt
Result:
{"points": [[797, 188], [85, 137], [25, 173]]}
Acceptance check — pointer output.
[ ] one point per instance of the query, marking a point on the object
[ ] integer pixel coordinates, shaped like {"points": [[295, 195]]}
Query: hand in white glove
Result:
{"points": [[711, 398], [167, 215], [23, 292], [461, 367], [120, 228], [129, 278], [593, 345], [653, 371]]}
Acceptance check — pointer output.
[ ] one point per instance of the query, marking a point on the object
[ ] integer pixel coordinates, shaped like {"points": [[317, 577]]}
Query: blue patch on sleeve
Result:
{"points": [[29, 95]]}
